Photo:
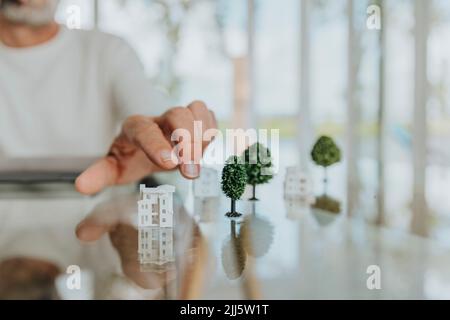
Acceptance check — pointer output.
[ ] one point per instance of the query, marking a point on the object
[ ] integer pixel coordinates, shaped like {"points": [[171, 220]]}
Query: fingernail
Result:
{"points": [[166, 155], [191, 170]]}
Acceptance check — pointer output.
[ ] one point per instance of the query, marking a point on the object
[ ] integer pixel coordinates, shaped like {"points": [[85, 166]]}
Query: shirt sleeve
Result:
{"points": [[132, 91]]}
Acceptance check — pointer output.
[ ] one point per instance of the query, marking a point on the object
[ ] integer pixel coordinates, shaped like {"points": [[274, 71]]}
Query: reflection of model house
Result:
{"points": [[207, 184], [296, 208], [155, 207], [297, 185], [155, 245]]}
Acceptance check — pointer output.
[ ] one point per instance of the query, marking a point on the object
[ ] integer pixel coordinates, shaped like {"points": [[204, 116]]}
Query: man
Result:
{"points": [[62, 94]]}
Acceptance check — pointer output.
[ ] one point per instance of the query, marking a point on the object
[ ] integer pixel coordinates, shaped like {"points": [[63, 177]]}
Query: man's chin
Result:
{"points": [[28, 20], [34, 17]]}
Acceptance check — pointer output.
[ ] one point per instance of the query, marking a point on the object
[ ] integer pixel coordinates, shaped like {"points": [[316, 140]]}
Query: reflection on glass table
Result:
{"points": [[278, 249], [316, 252], [44, 242]]}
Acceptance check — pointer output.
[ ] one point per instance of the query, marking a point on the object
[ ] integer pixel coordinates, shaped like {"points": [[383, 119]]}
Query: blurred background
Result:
{"points": [[313, 67]]}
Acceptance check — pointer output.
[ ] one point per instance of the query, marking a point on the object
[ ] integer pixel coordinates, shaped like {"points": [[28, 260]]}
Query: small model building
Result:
{"points": [[155, 246], [297, 185], [155, 207], [206, 185]]}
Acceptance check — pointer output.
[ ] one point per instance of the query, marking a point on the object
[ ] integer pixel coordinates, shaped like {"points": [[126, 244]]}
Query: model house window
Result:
{"points": [[155, 219], [163, 219], [163, 211], [154, 207], [164, 243]]}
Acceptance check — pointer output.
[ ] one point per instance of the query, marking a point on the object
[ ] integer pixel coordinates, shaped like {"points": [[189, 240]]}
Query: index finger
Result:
{"points": [[146, 134]]}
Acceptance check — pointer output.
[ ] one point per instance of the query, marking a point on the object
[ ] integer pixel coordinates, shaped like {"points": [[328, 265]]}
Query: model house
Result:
{"points": [[155, 207], [298, 185], [155, 245], [207, 185]]}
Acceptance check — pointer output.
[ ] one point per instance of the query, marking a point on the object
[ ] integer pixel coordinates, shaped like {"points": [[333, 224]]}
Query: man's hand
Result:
{"points": [[145, 146]]}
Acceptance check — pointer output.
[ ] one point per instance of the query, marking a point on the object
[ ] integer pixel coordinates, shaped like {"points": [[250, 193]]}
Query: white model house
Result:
{"points": [[207, 185], [298, 185], [155, 245], [155, 207]]}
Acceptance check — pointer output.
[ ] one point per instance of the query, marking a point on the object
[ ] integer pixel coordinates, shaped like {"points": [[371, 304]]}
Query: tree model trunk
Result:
{"points": [[325, 181], [253, 198]]}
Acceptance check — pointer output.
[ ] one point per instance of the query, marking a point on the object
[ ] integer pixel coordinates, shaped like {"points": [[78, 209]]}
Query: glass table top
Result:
{"points": [[278, 249]]}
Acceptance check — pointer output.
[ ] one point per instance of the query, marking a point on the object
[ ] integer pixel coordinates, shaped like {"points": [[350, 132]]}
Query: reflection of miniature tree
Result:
{"points": [[257, 235], [234, 180], [258, 165], [234, 257], [325, 153], [326, 203]]}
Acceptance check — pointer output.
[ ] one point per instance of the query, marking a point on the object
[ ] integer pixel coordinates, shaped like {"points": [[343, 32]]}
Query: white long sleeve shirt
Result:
{"points": [[66, 97]]}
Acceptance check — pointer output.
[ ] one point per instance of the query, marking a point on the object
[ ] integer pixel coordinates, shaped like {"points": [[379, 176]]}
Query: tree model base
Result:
{"points": [[233, 214]]}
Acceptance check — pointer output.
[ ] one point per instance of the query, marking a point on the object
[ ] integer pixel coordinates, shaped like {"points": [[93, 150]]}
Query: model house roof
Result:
{"points": [[157, 190]]}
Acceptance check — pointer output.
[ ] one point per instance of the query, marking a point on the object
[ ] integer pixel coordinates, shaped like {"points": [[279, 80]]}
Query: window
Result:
{"points": [[163, 219]]}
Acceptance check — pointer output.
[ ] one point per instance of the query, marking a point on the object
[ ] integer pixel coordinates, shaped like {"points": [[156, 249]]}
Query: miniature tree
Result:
{"points": [[258, 165], [234, 179], [325, 153]]}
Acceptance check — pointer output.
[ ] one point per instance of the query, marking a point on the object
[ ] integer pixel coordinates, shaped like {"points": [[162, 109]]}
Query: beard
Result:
{"points": [[35, 13]]}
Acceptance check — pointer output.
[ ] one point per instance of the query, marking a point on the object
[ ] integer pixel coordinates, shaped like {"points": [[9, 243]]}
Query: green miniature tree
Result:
{"points": [[325, 153], [258, 165], [234, 179]]}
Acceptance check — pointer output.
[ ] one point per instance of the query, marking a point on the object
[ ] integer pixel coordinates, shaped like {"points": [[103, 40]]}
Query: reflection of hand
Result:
{"points": [[144, 146], [114, 219]]}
